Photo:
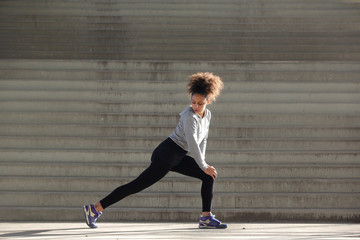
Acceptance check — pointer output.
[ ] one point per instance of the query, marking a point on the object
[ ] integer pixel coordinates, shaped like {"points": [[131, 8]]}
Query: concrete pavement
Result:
{"points": [[172, 230]]}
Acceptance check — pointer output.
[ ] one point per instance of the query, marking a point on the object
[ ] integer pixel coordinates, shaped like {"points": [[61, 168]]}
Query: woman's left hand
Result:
{"points": [[211, 171]]}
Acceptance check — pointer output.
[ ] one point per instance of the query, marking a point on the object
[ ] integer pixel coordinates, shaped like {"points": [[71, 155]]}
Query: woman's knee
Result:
{"points": [[208, 179]]}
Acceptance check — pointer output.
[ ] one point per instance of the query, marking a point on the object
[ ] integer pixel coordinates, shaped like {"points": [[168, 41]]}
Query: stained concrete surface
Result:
{"points": [[171, 230]]}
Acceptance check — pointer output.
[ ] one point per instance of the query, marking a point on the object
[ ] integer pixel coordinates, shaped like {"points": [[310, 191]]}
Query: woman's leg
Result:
{"points": [[151, 175], [164, 157], [189, 167]]}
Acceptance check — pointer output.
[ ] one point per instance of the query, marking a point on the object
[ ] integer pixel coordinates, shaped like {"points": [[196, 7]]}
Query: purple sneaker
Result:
{"points": [[91, 215], [211, 222]]}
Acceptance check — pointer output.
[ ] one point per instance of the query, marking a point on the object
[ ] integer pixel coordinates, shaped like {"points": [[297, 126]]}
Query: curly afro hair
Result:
{"points": [[205, 83]]}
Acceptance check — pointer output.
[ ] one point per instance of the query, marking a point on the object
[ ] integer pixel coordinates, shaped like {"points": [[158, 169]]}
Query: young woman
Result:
{"points": [[183, 152]]}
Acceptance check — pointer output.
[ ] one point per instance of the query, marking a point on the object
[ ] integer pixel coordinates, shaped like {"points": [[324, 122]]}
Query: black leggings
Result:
{"points": [[168, 156]]}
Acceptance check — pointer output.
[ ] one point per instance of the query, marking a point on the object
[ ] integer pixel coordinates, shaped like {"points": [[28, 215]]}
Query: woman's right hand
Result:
{"points": [[211, 171]]}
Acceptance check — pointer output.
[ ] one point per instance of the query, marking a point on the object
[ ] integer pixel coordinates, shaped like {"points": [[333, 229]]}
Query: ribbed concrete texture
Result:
{"points": [[181, 30], [89, 88], [286, 146]]}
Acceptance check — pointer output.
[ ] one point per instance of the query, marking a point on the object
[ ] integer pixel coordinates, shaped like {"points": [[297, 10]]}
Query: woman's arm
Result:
{"points": [[190, 128]]}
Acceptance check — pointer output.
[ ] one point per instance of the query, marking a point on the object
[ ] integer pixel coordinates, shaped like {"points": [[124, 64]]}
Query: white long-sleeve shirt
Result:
{"points": [[191, 134]]}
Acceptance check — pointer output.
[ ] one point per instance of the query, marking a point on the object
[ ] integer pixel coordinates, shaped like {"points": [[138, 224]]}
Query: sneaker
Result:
{"points": [[211, 222], [91, 215]]}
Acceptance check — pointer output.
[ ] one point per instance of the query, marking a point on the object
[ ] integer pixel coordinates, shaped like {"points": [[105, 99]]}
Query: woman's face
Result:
{"points": [[199, 103]]}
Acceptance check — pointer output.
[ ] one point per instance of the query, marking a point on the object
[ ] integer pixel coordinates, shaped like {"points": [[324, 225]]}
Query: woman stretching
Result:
{"points": [[183, 152]]}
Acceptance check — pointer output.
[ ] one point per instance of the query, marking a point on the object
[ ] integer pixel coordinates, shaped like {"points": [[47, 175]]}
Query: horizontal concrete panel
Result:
{"points": [[149, 26], [171, 48], [46, 10], [173, 66], [143, 156], [181, 184], [164, 87], [110, 143], [107, 37], [120, 130], [299, 56], [130, 40], [260, 171], [295, 76], [174, 108], [180, 20], [184, 5], [170, 119], [140, 96], [80, 35], [186, 200]]}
